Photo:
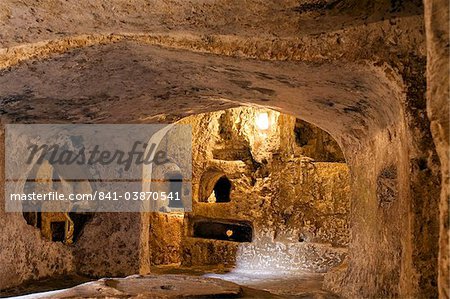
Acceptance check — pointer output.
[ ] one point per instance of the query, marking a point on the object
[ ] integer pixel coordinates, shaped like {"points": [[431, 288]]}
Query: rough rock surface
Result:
{"points": [[151, 286], [437, 25], [106, 249], [298, 208], [354, 68], [165, 238], [25, 254]]}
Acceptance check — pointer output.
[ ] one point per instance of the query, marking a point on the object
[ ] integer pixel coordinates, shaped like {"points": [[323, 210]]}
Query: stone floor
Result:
{"points": [[284, 284], [177, 282], [45, 285]]}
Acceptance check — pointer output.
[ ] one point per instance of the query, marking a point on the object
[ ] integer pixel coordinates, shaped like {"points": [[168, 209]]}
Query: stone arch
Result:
{"points": [[55, 226], [214, 180], [369, 127], [222, 189]]}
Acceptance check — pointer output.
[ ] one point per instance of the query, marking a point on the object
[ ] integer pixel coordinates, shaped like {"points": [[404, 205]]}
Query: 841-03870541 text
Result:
{"points": [[96, 195]]}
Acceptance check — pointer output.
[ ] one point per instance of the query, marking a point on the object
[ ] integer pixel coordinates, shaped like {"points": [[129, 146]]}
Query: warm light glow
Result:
{"points": [[262, 120], [229, 233]]}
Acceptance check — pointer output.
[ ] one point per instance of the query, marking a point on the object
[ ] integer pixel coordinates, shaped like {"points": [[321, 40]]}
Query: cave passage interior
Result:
{"points": [[271, 198], [319, 145]]}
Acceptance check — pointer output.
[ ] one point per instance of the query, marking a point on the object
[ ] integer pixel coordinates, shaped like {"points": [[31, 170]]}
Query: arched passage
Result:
{"points": [[368, 125], [55, 225], [222, 189], [214, 187]]}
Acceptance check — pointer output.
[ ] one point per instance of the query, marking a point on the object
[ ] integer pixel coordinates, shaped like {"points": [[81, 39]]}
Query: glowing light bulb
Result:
{"points": [[229, 233], [262, 121]]}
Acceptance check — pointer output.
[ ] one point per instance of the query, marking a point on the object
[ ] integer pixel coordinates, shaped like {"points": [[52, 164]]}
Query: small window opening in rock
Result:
{"points": [[175, 190], [33, 218], [222, 190], [58, 231]]}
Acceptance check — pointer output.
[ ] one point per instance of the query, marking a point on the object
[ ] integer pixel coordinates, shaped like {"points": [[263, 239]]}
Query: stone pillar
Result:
{"points": [[114, 244]]}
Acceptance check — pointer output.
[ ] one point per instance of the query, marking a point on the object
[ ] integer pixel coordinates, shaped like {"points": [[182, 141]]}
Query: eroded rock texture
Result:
{"points": [[151, 286], [436, 22], [297, 207], [356, 69]]}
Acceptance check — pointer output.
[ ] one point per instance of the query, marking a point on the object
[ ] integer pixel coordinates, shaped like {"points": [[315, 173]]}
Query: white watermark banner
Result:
{"points": [[98, 168]]}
